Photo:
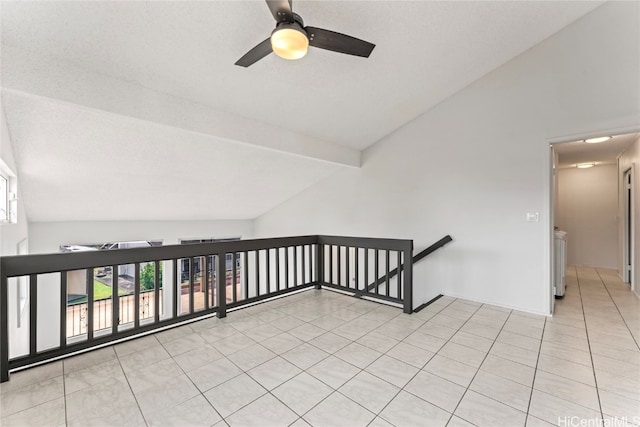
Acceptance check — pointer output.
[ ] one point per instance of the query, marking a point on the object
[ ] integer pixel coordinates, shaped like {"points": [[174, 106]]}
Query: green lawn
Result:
{"points": [[100, 291]]}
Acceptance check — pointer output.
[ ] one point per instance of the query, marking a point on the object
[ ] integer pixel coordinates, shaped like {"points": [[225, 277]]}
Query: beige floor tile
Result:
{"points": [[234, 394], [50, 413], [566, 369], [515, 354], [513, 371], [622, 385], [338, 410], [407, 410], [553, 409], [274, 372], [451, 370], [442, 393], [194, 412], [501, 389], [333, 371], [463, 354], [483, 411], [369, 391], [410, 354], [302, 392], [392, 370], [267, 410], [31, 395], [567, 389], [357, 355], [214, 373]]}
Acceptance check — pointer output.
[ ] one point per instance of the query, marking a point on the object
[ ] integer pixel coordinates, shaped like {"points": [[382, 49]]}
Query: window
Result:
{"points": [[8, 191], [4, 199]]}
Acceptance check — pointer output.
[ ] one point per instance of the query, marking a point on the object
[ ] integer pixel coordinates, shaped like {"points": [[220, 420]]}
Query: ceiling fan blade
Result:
{"points": [[281, 10], [256, 54], [337, 42]]}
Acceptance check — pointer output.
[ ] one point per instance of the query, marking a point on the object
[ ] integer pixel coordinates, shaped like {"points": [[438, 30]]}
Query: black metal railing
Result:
{"points": [[166, 285], [416, 258]]}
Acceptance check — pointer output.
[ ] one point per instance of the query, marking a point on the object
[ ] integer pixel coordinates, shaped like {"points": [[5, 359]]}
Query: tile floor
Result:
{"points": [[323, 359]]}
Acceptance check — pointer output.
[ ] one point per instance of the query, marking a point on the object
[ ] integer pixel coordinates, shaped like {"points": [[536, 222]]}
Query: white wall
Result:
{"points": [[588, 211], [12, 234], [475, 165], [46, 237], [631, 157]]}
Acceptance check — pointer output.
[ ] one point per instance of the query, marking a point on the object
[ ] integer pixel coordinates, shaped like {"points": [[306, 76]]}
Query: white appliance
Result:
{"points": [[560, 261]]}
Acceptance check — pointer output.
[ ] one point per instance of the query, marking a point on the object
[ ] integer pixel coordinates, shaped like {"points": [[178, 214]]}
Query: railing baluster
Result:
{"points": [[257, 272], [245, 267], [192, 278], [156, 290], [268, 269], [177, 289], [356, 268], [348, 265], [278, 269], [222, 287], [386, 260], [63, 309], [136, 295], [408, 279], [235, 275], [399, 280], [302, 265], [115, 300], [339, 262], [286, 267], [331, 264], [319, 265], [366, 267], [295, 266], [90, 302], [33, 313], [377, 269]]}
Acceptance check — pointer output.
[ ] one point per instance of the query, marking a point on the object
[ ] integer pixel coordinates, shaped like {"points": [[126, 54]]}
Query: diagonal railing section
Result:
{"points": [[382, 280], [82, 300], [349, 264]]}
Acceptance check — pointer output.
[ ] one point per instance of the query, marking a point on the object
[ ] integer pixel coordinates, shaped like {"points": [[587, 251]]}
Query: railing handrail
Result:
{"points": [[22, 265], [419, 256]]}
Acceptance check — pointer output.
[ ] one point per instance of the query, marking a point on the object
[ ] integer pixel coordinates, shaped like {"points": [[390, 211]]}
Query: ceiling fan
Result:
{"points": [[291, 39]]}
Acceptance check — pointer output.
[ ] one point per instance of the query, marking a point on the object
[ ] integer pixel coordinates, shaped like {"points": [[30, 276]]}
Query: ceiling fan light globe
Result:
{"points": [[289, 42]]}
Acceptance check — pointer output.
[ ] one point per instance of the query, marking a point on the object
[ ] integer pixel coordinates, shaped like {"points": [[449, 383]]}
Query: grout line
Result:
{"points": [[128, 384], [593, 367], [64, 394], [478, 370], [535, 372], [618, 309]]}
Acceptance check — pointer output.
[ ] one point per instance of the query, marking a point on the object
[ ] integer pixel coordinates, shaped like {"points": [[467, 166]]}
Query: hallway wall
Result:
{"points": [[587, 211]]}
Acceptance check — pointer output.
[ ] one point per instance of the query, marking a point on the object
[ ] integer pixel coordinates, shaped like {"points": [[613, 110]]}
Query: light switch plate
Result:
{"points": [[533, 216]]}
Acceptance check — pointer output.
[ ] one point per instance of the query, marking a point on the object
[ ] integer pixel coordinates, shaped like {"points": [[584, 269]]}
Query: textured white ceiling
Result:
{"points": [[150, 65], [120, 168]]}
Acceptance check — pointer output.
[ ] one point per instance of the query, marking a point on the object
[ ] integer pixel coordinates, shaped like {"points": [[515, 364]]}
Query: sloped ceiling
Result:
{"points": [[134, 110]]}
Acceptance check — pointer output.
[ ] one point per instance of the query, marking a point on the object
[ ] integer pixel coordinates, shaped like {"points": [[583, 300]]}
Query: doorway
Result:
{"points": [[592, 198]]}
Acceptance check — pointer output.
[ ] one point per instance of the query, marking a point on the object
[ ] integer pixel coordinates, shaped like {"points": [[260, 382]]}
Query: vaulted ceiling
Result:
{"points": [[135, 110]]}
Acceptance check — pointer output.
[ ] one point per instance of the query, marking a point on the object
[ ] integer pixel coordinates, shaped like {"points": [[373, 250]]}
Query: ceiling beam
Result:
{"points": [[38, 75]]}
